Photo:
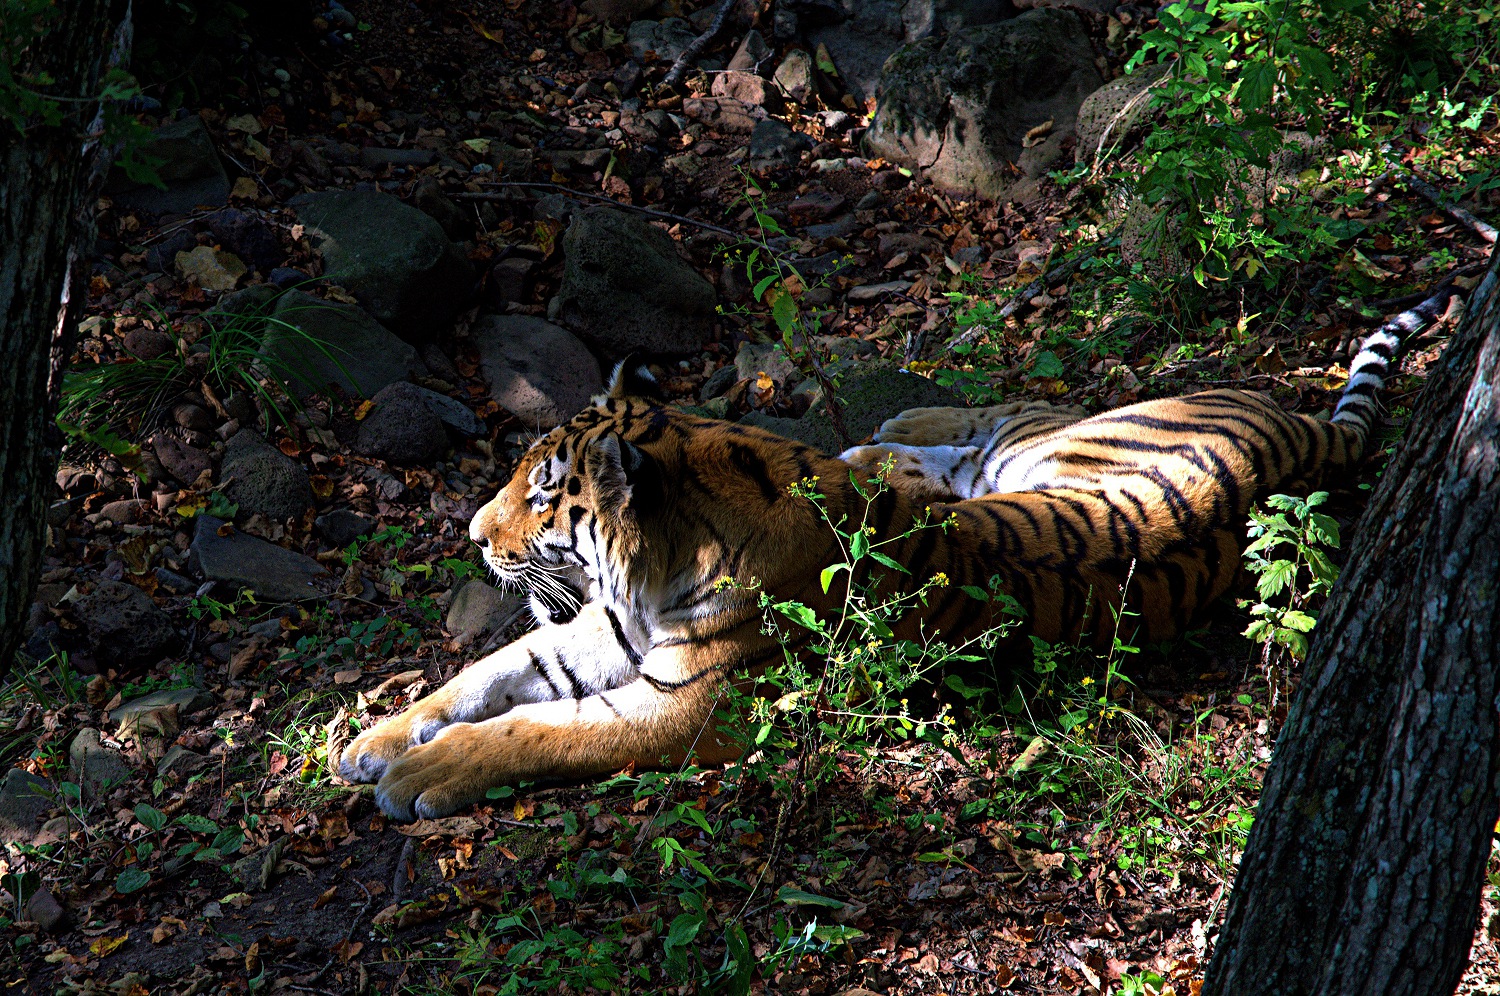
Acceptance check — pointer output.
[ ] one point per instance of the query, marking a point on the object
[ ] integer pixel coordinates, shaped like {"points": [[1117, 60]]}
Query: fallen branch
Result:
{"points": [[1415, 181], [665, 215], [689, 55]]}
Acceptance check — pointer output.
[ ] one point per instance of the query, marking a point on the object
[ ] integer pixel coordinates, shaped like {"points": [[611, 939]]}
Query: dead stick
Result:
{"points": [[690, 54], [665, 215], [1415, 181]]}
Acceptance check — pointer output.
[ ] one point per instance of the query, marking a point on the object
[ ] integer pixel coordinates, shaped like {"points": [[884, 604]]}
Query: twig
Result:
{"points": [[665, 215], [1059, 272], [1415, 181], [690, 54], [1407, 300]]}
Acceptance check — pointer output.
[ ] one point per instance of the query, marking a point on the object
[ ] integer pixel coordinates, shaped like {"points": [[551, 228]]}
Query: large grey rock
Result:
{"points": [[453, 413], [93, 767], [478, 609], [774, 145], [124, 625], [394, 258], [314, 344], [625, 289], [240, 560], [958, 107], [190, 168], [260, 478], [666, 38], [401, 427], [536, 371], [24, 800], [870, 393]]}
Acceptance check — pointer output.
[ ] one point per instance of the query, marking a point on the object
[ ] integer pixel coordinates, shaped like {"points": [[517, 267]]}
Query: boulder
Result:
{"points": [[753, 55], [93, 767], [190, 169], [773, 145], [240, 560], [24, 800], [959, 107], [248, 236], [1114, 113], [454, 414], [184, 462], [126, 512], [625, 288], [395, 259], [536, 371], [478, 609], [314, 344], [124, 625], [401, 427], [795, 77], [260, 478], [343, 526], [667, 39]]}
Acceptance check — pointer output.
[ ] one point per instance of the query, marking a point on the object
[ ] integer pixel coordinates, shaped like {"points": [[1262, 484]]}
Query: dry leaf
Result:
{"points": [[103, 946], [1035, 136]]}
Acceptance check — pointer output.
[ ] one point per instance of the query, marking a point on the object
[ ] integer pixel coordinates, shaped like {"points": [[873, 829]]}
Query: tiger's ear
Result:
{"points": [[633, 379], [623, 475]]}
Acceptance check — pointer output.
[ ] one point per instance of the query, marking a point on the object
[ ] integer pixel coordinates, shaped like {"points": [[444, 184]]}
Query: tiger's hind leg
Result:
{"points": [[964, 426], [924, 472]]}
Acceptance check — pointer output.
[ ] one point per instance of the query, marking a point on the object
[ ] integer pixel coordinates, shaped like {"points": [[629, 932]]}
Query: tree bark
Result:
{"points": [[1364, 866], [45, 230]]}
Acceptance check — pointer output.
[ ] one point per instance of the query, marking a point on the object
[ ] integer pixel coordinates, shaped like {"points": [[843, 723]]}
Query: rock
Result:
{"points": [[43, 909], [129, 512], [185, 700], [813, 206], [240, 560], [93, 767], [840, 228], [774, 144], [795, 77], [747, 88], [755, 357], [478, 609], [212, 269], [427, 196], [285, 277], [124, 625], [625, 289], [1112, 114], [180, 761], [175, 583], [510, 280], [393, 258], [191, 416], [190, 168], [870, 393], [921, 18], [184, 462], [871, 292], [959, 108], [753, 55], [616, 11], [24, 800], [453, 413], [162, 257], [260, 478], [372, 157], [342, 526], [718, 382], [401, 427], [536, 371], [248, 236], [666, 39], [315, 344]]}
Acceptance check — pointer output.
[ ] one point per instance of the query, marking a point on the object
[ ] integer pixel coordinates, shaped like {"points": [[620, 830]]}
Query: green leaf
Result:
{"points": [[759, 290], [859, 544], [1302, 622], [737, 950], [885, 561], [1257, 84], [132, 879], [975, 592], [797, 897], [1072, 720], [1046, 364], [784, 312], [151, 818], [685, 927], [1277, 578], [198, 824], [836, 933]]}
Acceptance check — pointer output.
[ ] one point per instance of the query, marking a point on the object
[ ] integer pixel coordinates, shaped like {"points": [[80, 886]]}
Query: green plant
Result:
{"points": [[1289, 557]]}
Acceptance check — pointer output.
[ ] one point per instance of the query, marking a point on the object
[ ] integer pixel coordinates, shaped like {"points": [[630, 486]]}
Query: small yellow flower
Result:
{"points": [[1086, 681], [940, 579]]}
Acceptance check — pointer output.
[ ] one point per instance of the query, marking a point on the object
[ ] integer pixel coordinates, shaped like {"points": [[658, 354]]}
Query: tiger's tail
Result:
{"points": [[1357, 406]]}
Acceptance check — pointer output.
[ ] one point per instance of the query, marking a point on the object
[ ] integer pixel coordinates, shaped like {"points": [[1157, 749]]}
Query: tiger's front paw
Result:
{"points": [[371, 753], [439, 777]]}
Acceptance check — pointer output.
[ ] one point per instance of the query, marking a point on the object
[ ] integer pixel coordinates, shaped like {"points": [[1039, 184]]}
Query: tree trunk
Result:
{"points": [[45, 230], [1364, 866]]}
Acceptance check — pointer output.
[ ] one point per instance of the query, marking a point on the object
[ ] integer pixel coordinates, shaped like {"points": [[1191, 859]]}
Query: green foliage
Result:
{"points": [[1289, 557]]}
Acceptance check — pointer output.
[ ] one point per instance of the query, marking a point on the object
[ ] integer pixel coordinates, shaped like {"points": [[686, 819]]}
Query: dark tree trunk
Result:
{"points": [[1364, 867], [45, 229]]}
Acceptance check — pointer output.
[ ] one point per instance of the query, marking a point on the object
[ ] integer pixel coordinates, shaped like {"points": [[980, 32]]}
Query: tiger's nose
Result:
{"points": [[476, 532]]}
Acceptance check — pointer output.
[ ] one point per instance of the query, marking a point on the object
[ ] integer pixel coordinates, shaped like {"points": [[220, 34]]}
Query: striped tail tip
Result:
{"points": [[1369, 369]]}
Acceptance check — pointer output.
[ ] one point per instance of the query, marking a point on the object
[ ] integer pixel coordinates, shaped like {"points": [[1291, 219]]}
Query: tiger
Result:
{"points": [[658, 506]]}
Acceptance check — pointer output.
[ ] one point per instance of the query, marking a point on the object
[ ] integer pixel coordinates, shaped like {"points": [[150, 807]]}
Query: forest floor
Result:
{"points": [[224, 856]]}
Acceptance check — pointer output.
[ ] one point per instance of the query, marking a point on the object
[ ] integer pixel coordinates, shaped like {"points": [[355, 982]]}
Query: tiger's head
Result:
{"points": [[570, 518]]}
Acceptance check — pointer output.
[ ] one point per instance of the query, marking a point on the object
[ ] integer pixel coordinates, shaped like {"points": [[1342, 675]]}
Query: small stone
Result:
{"points": [[342, 526], [371, 157], [185, 700], [184, 462], [869, 202], [45, 911], [286, 277], [212, 269], [94, 767], [190, 416], [813, 206], [24, 799], [401, 427], [124, 625], [536, 371], [753, 55], [795, 76], [248, 236], [239, 560], [161, 256], [718, 382], [747, 88], [174, 582], [773, 143], [840, 228], [260, 478], [510, 280], [871, 292], [129, 512], [453, 413], [148, 344], [180, 761]]}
